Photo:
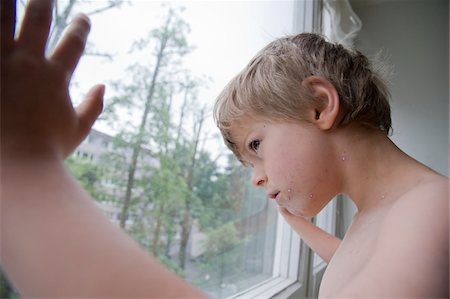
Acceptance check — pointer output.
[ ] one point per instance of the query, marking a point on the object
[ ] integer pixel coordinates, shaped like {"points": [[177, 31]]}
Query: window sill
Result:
{"points": [[280, 287]]}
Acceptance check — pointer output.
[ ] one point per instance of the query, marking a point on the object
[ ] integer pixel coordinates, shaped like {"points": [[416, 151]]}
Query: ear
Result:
{"points": [[325, 113]]}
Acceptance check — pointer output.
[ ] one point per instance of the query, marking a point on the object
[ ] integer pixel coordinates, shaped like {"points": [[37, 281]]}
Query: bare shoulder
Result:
{"points": [[428, 198], [419, 216], [424, 207], [411, 255]]}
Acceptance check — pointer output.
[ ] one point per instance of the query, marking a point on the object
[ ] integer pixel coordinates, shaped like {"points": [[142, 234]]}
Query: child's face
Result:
{"points": [[294, 162]]}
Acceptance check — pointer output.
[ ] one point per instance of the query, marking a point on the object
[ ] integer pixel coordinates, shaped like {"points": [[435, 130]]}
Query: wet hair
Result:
{"points": [[270, 86]]}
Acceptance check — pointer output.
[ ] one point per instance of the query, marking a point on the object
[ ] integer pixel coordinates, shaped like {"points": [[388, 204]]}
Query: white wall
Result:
{"points": [[414, 35]]}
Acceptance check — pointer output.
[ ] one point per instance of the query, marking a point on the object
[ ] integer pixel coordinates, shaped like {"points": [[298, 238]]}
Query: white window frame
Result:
{"points": [[292, 258], [286, 264]]}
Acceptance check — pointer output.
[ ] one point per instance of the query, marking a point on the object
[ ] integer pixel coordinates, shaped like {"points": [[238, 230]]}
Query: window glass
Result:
{"points": [[155, 162]]}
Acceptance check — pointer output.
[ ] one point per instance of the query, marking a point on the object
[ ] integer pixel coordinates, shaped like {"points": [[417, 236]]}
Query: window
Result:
{"points": [[157, 166]]}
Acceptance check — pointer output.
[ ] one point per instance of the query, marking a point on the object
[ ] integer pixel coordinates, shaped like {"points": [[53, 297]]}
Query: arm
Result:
{"points": [[57, 243], [317, 239], [54, 241]]}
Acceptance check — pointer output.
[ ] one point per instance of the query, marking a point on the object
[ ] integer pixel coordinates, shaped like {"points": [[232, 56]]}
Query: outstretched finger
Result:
{"points": [[36, 26], [71, 47], [8, 25]]}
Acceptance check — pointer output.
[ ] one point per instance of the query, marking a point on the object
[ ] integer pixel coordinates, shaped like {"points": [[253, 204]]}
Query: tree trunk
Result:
{"points": [[157, 231], [139, 141], [185, 232], [187, 218]]}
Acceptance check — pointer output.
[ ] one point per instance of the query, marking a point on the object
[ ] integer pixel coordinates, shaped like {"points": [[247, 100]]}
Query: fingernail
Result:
{"points": [[102, 89], [82, 21], [84, 17]]}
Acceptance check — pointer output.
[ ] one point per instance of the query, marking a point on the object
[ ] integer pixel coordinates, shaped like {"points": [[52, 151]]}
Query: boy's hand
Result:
{"points": [[38, 120], [321, 242]]}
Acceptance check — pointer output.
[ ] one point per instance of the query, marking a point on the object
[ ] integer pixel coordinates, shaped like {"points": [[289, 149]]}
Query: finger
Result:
{"points": [[89, 110], [285, 213], [289, 216], [8, 25], [36, 26], [71, 47]]}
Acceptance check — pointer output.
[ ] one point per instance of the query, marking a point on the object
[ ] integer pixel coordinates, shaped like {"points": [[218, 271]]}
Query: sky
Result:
{"points": [[225, 36]]}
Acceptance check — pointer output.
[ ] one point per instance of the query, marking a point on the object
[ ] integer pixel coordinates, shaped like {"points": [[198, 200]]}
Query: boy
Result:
{"points": [[55, 243], [312, 119]]}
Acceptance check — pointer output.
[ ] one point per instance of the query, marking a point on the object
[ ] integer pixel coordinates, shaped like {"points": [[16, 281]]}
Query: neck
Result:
{"points": [[373, 169]]}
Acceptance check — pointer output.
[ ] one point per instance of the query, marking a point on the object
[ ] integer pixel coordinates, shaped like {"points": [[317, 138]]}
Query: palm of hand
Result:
{"points": [[38, 118]]}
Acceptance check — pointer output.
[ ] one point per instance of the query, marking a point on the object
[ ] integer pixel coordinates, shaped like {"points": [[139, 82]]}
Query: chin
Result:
{"points": [[305, 213]]}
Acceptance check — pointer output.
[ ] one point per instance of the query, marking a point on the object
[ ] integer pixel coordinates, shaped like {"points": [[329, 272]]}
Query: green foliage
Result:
{"points": [[172, 265], [6, 289], [89, 174], [222, 257], [221, 240], [222, 192], [142, 111]]}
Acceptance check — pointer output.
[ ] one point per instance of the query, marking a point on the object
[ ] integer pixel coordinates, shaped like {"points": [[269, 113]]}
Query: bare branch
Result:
{"points": [[111, 5], [98, 54]]}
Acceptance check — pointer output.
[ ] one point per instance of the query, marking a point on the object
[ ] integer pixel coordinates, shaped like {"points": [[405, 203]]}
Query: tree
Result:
{"points": [[189, 177], [148, 94], [63, 10], [222, 192], [163, 177]]}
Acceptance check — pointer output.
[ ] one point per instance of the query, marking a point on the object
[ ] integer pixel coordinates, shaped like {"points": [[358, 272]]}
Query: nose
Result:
{"points": [[259, 178]]}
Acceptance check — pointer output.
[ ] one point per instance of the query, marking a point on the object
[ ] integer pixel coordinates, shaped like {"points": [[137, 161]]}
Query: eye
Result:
{"points": [[254, 145]]}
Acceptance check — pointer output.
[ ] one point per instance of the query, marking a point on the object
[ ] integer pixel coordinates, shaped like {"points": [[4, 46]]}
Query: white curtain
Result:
{"points": [[339, 22]]}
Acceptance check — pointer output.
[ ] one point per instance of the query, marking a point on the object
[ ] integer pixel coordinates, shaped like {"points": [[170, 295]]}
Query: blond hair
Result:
{"points": [[270, 86]]}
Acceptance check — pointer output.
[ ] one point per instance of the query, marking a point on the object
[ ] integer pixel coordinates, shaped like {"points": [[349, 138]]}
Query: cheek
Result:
{"points": [[301, 164], [286, 170], [303, 168], [311, 179]]}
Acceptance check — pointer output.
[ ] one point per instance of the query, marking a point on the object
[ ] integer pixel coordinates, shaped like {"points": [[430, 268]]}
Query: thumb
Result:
{"points": [[89, 110]]}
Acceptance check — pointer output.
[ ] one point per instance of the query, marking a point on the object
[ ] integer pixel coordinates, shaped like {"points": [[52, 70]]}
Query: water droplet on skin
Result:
{"points": [[289, 192]]}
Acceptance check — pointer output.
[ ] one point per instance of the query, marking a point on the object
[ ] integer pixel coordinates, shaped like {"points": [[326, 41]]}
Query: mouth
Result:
{"points": [[273, 195]]}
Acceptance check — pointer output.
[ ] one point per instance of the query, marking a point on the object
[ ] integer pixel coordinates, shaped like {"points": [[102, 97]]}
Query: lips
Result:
{"points": [[273, 195]]}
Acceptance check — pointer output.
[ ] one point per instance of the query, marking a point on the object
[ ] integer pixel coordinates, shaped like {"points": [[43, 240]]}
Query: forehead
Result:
{"points": [[243, 126]]}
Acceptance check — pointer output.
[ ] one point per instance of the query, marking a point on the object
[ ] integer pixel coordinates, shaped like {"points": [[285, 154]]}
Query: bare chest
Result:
{"points": [[351, 256]]}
